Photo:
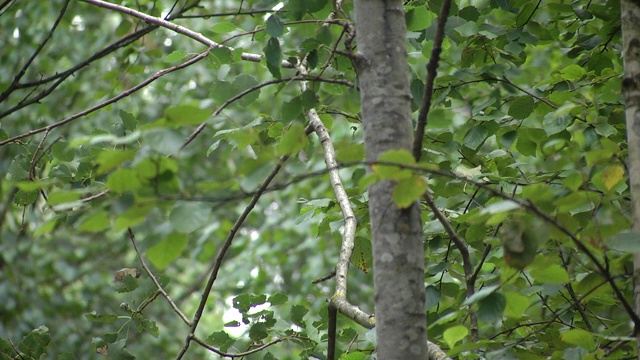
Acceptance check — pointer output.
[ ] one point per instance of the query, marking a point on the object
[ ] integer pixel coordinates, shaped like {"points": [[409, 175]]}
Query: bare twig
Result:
{"points": [[155, 280], [16, 79], [238, 96], [432, 72], [118, 97], [174, 27]]}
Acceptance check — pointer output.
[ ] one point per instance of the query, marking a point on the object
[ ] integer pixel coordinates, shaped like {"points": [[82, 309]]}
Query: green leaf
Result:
{"points": [[546, 273], [521, 107], [274, 26], [297, 314], [481, 294], [187, 114], [357, 355], [625, 241], [517, 304], [244, 302], [491, 307], [273, 54], [223, 27], [572, 72], [123, 180], [102, 318], [34, 344], [187, 217], [61, 197], [476, 136], [407, 191], [278, 299], [433, 297], [402, 157], [96, 222], [579, 337], [175, 56], [168, 250], [362, 255], [293, 140], [454, 334], [109, 159], [62, 152], [246, 82], [221, 340], [129, 122]]}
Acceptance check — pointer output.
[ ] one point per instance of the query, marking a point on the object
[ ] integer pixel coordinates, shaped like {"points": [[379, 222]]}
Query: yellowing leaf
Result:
{"points": [[454, 334], [612, 175]]}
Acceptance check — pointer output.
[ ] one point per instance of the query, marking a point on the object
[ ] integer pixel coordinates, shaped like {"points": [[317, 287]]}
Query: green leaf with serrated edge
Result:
{"points": [[245, 82], [433, 297], [221, 340], [101, 318], [34, 344], [278, 299], [109, 159], [129, 122], [454, 334], [62, 152], [187, 217], [167, 250], [521, 107], [123, 180], [407, 191], [579, 337], [491, 307], [293, 140], [480, 294], [297, 314], [274, 26], [545, 273], [401, 157], [516, 304], [475, 136], [273, 55], [572, 72], [244, 302]]}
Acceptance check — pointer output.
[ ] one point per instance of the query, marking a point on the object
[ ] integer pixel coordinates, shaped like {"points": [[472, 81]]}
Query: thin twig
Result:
{"points": [[114, 99], [432, 72], [223, 250], [155, 280]]}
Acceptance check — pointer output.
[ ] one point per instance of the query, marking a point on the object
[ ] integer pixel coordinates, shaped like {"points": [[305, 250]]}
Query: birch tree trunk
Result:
{"points": [[396, 233], [630, 13]]}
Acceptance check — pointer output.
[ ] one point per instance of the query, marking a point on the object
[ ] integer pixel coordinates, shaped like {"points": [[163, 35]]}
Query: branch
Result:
{"points": [[16, 80], [120, 96], [155, 281], [223, 250], [432, 72], [176, 28]]}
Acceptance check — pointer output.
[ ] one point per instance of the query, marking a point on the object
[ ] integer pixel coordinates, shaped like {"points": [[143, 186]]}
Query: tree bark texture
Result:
{"points": [[396, 233], [630, 18]]}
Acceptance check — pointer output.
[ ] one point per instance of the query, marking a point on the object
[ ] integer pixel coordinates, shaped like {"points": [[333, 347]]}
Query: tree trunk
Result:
{"points": [[630, 13], [396, 233]]}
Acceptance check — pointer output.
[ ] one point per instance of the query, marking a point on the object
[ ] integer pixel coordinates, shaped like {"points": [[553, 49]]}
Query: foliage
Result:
{"points": [[526, 128]]}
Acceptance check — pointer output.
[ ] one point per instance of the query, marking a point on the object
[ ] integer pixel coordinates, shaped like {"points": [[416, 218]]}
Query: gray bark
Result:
{"points": [[630, 18], [396, 233]]}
